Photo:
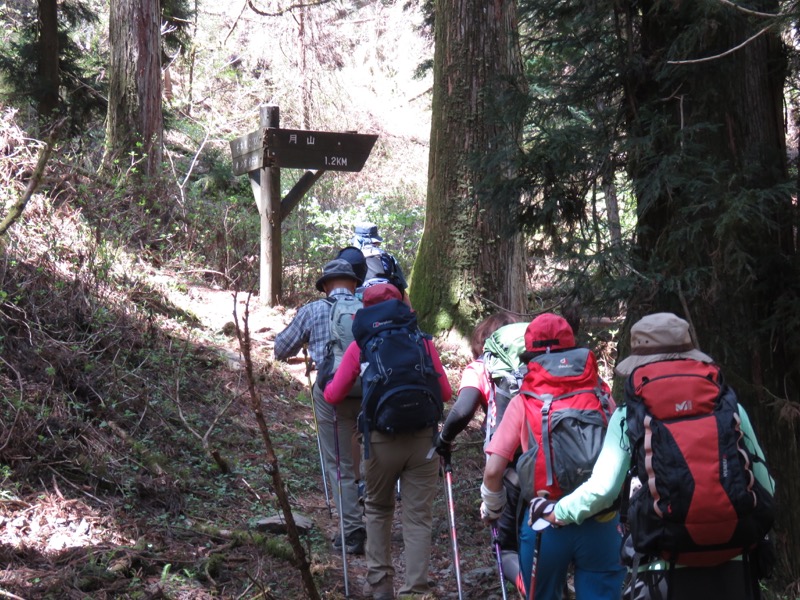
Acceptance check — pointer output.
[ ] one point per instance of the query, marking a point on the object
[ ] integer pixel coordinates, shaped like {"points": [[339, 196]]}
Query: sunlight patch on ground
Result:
{"points": [[53, 524]]}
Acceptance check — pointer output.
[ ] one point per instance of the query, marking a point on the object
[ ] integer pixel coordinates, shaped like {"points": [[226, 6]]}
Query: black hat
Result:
{"points": [[338, 267], [356, 259], [368, 231]]}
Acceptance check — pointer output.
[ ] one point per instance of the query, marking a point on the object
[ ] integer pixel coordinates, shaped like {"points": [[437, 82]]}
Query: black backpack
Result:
{"points": [[400, 386]]}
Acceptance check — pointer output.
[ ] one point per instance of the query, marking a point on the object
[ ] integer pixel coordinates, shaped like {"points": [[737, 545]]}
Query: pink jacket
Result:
{"points": [[338, 388]]}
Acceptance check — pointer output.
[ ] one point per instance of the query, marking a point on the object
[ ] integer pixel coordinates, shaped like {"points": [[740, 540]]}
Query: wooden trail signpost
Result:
{"points": [[262, 153]]}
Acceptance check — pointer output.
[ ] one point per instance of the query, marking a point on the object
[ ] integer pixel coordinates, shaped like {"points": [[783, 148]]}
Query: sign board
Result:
{"points": [[247, 152], [325, 150]]}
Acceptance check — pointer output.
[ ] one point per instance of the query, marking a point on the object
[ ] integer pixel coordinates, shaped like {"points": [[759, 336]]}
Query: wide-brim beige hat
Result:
{"points": [[660, 336]]}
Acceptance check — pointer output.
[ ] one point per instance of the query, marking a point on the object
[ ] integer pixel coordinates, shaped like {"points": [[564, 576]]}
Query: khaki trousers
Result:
{"points": [[404, 457]]}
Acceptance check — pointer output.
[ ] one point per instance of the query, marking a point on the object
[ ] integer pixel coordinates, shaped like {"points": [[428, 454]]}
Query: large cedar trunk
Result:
{"points": [[48, 71], [735, 309], [471, 256], [135, 120]]}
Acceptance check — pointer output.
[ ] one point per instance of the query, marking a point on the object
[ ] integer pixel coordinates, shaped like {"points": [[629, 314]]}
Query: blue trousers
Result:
{"points": [[592, 547]]}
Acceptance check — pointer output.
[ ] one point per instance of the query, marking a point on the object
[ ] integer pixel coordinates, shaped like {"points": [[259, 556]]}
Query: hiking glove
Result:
{"points": [[540, 507], [443, 447], [493, 503]]}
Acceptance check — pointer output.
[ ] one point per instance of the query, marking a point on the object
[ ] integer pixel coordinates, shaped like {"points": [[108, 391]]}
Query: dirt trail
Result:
{"points": [[214, 308]]}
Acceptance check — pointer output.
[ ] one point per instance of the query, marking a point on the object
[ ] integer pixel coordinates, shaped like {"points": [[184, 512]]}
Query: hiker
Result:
{"points": [[357, 260], [382, 267], [392, 355], [559, 419], [482, 386], [312, 326], [662, 350]]}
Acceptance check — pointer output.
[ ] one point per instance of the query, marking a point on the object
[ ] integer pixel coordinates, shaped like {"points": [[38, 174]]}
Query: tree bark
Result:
{"points": [[48, 69], [736, 279], [471, 258], [134, 131]]}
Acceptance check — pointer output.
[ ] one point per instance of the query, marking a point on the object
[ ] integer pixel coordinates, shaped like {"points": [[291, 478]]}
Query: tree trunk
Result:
{"points": [[471, 258], [48, 71], [134, 131], [714, 140]]}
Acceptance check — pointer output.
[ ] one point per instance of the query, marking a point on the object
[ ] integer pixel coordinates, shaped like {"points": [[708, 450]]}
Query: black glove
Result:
{"points": [[443, 447]]}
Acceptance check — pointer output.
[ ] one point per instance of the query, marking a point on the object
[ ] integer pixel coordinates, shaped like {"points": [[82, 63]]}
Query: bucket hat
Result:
{"points": [[368, 232], [338, 267], [660, 336]]}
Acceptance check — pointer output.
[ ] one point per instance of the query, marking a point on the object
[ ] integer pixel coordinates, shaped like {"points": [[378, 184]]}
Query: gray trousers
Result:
{"points": [[347, 415]]}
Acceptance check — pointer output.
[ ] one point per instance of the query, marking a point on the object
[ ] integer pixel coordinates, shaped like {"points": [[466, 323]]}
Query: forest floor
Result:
{"points": [[69, 541], [476, 559]]}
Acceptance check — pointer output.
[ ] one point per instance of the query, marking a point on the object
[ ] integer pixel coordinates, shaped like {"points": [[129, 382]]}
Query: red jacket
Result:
{"points": [[350, 367]]}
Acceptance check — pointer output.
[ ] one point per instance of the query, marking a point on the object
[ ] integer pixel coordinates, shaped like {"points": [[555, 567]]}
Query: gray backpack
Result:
{"points": [[343, 309]]}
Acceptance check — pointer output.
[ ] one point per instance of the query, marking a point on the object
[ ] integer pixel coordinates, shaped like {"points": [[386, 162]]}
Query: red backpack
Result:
{"points": [[699, 504], [567, 407]]}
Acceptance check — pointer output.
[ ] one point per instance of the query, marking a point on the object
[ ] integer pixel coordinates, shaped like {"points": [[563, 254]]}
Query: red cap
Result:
{"points": [[548, 332], [380, 293]]}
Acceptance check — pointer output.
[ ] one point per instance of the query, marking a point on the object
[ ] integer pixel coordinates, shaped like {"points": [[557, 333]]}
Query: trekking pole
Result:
{"points": [[496, 542], [536, 553], [339, 500], [448, 478], [316, 431]]}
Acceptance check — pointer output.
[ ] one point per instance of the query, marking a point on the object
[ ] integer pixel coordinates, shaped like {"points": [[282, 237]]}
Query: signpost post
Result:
{"points": [[262, 153]]}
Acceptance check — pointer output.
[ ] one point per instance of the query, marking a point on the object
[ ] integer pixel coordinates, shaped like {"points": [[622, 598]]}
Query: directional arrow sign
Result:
{"points": [[247, 152], [303, 149]]}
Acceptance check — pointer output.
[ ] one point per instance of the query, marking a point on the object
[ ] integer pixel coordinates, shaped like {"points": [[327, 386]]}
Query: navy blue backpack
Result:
{"points": [[400, 386]]}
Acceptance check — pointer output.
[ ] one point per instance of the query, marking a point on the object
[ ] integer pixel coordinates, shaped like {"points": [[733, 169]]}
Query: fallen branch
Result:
{"points": [[272, 466], [16, 210]]}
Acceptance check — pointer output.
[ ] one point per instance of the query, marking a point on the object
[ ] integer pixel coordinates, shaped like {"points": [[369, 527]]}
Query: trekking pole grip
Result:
{"points": [[448, 465]]}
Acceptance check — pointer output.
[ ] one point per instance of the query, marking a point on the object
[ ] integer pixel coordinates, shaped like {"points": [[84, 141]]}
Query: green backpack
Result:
{"points": [[505, 371]]}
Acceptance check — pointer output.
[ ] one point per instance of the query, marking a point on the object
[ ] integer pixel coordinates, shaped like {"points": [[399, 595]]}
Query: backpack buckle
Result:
{"points": [[547, 400]]}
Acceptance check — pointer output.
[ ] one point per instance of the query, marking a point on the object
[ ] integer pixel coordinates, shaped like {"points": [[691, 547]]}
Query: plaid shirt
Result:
{"points": [[311, 325]]}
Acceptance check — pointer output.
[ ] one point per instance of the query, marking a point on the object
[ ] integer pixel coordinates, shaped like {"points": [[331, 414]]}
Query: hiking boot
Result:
{"points": [[353, 542], [384, 590]]}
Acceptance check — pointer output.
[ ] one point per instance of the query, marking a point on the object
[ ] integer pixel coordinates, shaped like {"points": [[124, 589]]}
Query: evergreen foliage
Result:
{"points": [[676, 109], [574, 156], [83, 89]]}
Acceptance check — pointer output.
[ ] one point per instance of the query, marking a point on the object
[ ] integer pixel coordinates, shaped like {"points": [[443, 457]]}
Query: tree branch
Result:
{"points": [[285, 10], [747, 11], [15, 212], [716, 56], [273, 468]]}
